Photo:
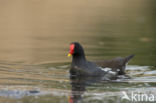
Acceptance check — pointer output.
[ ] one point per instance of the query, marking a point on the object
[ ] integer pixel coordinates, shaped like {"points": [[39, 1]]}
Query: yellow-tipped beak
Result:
{"points": [[69, 55]]}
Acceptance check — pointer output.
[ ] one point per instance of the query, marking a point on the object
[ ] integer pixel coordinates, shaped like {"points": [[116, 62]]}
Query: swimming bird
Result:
{"points": [[106, 69]]}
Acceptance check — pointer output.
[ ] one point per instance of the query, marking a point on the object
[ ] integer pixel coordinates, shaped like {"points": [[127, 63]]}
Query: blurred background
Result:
{"points": [[38, 33]]}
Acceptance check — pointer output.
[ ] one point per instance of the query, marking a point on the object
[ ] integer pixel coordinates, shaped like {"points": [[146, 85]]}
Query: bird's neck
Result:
{"points": [[78, 59]]}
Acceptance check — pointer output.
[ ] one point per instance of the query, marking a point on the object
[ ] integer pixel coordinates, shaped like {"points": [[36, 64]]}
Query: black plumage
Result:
{"points": [[81, 66]]}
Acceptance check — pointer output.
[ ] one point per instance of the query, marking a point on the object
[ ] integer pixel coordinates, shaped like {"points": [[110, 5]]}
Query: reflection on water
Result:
{"points": [[35, 37], [47, 81]]}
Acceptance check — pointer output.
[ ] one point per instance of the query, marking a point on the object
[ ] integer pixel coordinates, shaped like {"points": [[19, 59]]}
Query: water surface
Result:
{"points": [[34, 42]]}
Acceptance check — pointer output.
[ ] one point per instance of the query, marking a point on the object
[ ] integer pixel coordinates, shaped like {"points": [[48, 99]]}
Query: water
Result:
{"points": [[35, 38]]}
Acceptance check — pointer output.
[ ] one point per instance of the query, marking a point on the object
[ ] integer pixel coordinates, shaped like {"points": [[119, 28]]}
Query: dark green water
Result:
{"points": [[34, 42]]}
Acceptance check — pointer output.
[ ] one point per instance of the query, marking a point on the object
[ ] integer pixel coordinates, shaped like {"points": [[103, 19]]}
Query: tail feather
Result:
{"points": [[129, 57]]}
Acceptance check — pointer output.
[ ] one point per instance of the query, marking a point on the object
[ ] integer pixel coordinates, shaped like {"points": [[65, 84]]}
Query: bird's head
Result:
{"points": [[76, 50]]}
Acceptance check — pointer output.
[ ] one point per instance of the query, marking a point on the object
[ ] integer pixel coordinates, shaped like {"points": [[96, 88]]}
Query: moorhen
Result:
{"points": [[106, 69]]}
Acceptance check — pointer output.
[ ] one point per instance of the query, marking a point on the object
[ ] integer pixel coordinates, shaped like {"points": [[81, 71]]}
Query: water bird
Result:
{"points": [[105, 69]]}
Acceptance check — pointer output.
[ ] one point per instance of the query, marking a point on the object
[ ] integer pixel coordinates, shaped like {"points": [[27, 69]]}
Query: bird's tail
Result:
{"points": [[129, 57]]}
